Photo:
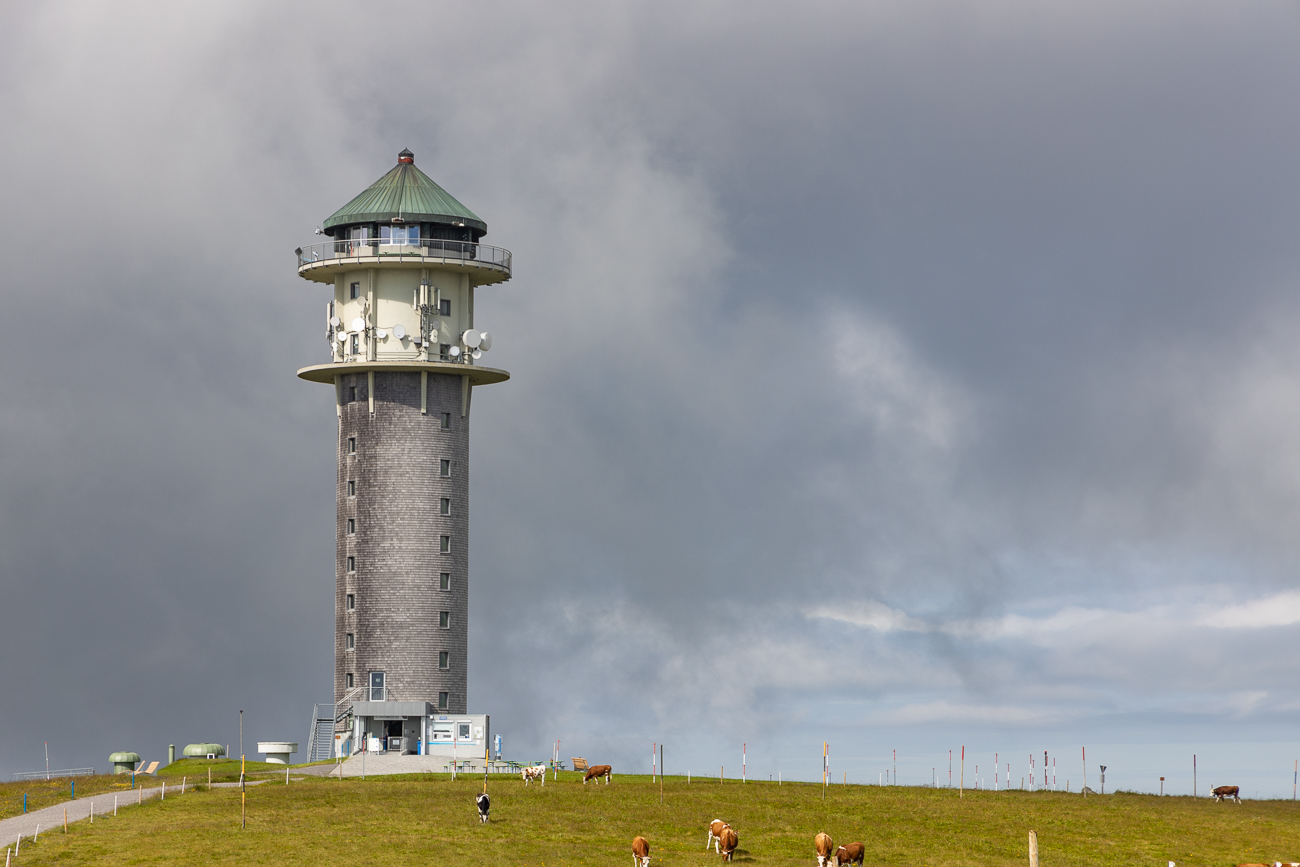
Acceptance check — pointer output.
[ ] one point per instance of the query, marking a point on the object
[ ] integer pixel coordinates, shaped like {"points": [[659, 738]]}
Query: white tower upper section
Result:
{"points": [[404, 262]]}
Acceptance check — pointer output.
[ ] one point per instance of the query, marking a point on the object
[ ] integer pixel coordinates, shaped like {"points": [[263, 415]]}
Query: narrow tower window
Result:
{"points": [[356, 347], [352, 392], [444, 544], [442, 701], [352, 488], [444, 307], [354, 291], [444, 506], [352, 564], [349, 642], [443, 350], [350, 602], [352, 441], [446, 420], [443, 660], [444, 467], [444, 581], [352, 526], [444, 619], [349, 680]]}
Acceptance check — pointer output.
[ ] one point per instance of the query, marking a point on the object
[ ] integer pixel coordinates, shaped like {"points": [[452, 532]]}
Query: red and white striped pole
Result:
{"points": [[654, 768]]}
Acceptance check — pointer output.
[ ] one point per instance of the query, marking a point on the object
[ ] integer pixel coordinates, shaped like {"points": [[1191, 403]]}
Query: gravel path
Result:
{"points": [[50, 819]]}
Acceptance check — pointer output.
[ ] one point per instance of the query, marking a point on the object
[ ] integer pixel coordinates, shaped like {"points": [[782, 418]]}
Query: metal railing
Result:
{"points": [[66, 772], [424, 249]]}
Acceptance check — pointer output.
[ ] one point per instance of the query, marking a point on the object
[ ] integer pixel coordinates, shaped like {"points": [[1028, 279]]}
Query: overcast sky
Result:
{"points": [[900, 375]]}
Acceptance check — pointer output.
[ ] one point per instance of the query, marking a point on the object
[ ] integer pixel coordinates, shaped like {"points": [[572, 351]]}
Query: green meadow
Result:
{"points": [[431, 820]]}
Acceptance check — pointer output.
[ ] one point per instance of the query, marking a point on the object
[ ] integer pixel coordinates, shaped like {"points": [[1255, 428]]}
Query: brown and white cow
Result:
{"points": [[595, 772], [640, 852], [715, 834], [728, 840], [536, 772], [1222, 792], [850, 854], [825, 850]]}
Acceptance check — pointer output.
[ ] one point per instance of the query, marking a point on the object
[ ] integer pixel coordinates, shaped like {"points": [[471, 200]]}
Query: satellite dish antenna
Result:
{"points": [[340, 336], [358, 325], [335, 322], [399, 332], [454, 352], [476, 354], [486, 343], [471, 338], [381, 334]]}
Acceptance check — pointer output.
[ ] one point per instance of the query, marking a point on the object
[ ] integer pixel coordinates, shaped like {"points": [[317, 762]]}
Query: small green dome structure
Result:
{"points": [[124, 763], [202, 751]]}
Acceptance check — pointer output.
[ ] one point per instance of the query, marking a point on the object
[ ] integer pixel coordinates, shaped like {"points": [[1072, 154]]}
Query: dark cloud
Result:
{"points": [[887, 374]]}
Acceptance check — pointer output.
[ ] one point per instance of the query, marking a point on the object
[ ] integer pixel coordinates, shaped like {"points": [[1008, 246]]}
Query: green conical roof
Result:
{"points": [[408, 193]]}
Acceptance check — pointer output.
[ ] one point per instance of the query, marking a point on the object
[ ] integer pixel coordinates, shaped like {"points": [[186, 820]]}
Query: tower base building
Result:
{"points": [[403, 264]]}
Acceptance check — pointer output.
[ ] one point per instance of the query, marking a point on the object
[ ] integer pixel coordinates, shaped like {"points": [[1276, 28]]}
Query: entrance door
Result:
{"points": [[376, 686]]}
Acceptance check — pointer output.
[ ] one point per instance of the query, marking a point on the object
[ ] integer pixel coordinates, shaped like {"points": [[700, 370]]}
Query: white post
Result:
{"points": [[115, 805], [183, 779], [37, 834], [164, 791]]}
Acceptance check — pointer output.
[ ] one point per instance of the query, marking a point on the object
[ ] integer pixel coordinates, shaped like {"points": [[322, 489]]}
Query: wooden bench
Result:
{"points": [[580, 764]]}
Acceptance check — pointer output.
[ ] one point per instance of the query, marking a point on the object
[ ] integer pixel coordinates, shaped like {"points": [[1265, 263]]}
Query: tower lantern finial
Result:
{"points": [[406, 156]]}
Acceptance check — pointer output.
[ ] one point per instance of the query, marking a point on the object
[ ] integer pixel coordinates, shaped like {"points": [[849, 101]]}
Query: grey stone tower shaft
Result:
{"points": [[402, 599]]}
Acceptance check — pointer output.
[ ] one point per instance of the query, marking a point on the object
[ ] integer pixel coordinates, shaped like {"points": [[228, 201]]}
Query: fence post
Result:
{"points": [[1033, 849]]}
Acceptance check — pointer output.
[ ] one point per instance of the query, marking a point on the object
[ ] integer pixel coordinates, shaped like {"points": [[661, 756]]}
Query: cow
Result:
{"points": [[483, 805], [727, 842], [1222, 792], [640, 852], [535, 772], [825, 850], [715, 833], [850, 854], [595, 772]]}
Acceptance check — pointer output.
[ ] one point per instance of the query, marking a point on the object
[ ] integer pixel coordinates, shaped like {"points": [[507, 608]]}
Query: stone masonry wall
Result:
{"points": [[396, 543]]}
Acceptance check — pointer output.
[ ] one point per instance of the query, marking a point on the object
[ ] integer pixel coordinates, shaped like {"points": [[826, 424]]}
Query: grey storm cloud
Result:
{"points": [[895, 375]]}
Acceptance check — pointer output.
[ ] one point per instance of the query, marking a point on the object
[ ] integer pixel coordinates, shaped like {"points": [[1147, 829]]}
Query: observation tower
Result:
{"points": [[402, 265]]}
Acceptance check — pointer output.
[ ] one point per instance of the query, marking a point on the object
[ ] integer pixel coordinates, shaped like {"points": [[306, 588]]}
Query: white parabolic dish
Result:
{"points": [[471, 338], [358, 325], [486, 343], [399, 332]]}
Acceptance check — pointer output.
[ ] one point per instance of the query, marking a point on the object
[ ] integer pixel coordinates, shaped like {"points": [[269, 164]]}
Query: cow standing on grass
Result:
{"points": [[850, 854], [598, 771], [1222, 792], [715, 834], [640, 852], [536, 772], [825, 850], [727, 842], [483, 806]]}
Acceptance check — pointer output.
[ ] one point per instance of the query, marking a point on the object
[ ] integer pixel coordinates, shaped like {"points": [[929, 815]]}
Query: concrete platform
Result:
{"points": [[382, 764]]}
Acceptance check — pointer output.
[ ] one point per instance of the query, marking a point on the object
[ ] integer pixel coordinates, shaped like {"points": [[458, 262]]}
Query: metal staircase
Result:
{"points": [[320, 743]]}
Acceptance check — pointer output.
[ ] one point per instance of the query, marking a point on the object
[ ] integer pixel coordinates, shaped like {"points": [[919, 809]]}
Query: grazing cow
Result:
{"points": [[825, 850], [483, 805], [640, 852], [536, 772], [715, 833], [850, 854], [595, 772], [1222, 792], [727, 842]]}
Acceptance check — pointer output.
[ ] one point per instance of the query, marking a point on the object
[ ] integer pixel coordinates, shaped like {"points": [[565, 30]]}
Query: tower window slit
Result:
{"points": [[444, 619], [444, 544], [444, 659], [444, 468], [444, 581], [444, 506], [352, 564]]}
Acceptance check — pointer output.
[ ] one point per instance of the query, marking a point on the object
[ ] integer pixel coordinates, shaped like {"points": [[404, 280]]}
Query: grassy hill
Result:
{"points": [[431, 820]]}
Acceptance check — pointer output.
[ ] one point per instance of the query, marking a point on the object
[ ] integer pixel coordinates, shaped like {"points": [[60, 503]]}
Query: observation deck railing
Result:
{"points": [[424, 249]]}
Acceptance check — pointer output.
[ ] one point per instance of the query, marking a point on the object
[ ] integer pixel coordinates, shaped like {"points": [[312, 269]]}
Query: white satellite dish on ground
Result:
{"points": [[335, 322], [476, 354], [472, 338], [399, 332], [381, 334], [486, 343], [358, 324], [454, 352]]}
